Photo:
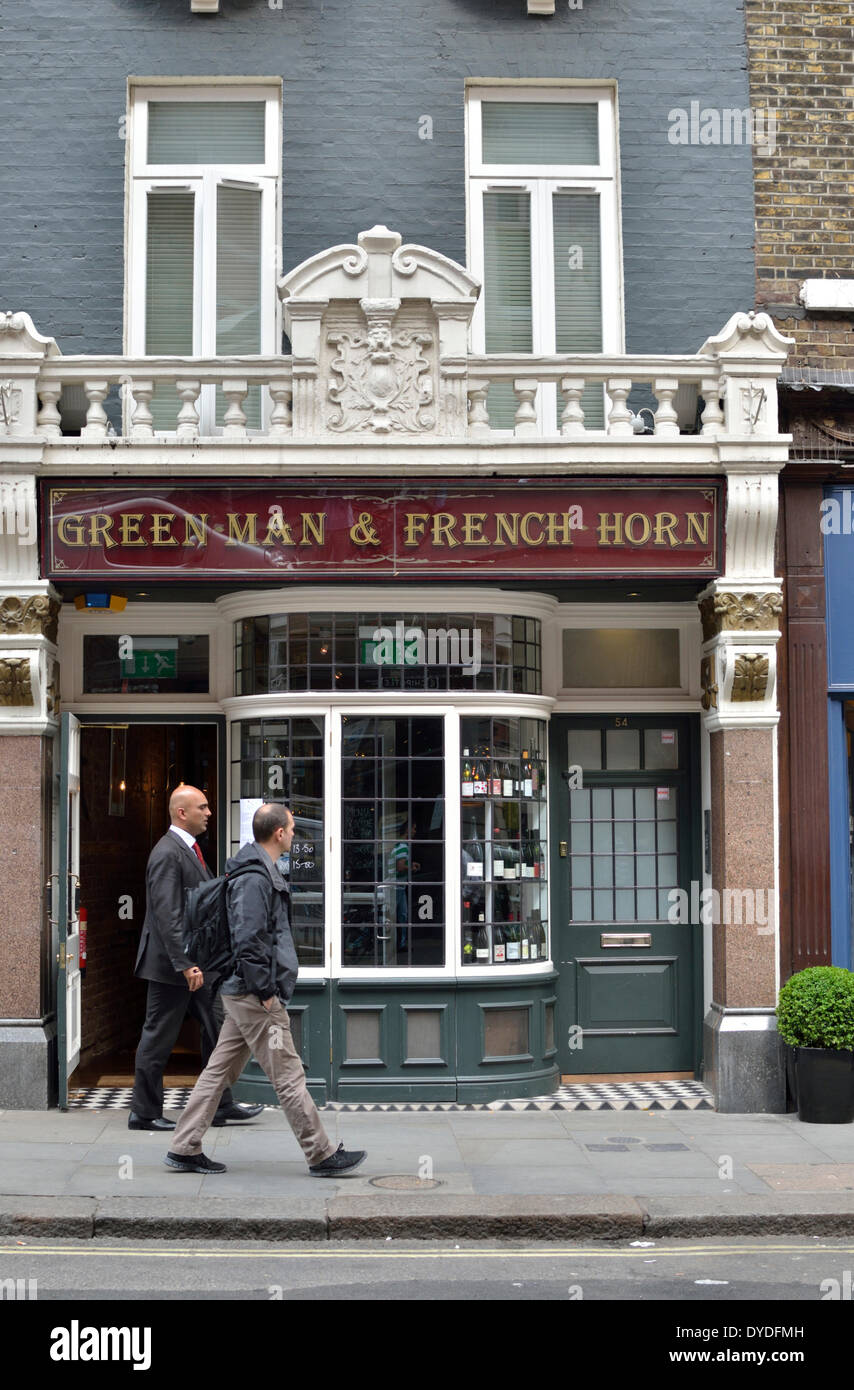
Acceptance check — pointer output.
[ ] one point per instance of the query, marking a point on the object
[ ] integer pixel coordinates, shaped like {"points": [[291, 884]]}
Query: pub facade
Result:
{"points": [[487, 600]]}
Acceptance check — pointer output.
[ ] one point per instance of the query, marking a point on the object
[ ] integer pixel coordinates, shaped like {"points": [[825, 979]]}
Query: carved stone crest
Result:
{"points": [[15, 681], [384, 380], [34, 616], [750, 681], [729, 612]]}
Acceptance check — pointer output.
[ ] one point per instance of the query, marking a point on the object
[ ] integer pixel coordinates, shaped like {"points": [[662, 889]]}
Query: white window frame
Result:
{"points": [[203, 181], [541, 182]]}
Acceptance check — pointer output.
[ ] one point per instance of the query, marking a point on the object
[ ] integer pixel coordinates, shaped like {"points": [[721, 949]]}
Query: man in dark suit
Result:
{"points": [[176, 985]]}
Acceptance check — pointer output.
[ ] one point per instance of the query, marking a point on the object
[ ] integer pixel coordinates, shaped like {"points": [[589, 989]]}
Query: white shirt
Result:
{"points": [[189, 840]]}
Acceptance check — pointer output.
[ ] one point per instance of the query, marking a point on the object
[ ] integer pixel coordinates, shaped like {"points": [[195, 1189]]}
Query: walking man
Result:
{"points": [[254, 996], [176, 986]]}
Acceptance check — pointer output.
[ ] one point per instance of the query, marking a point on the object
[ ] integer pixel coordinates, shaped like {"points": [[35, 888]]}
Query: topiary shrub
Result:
{"points": [[816, 1008]]}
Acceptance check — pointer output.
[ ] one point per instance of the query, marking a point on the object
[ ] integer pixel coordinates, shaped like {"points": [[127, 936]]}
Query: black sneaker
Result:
{"points": [[193, 1163], [342, 1161]]}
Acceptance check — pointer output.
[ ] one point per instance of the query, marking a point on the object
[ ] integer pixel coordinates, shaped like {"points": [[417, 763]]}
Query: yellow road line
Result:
{"points": [[650, 1252]]}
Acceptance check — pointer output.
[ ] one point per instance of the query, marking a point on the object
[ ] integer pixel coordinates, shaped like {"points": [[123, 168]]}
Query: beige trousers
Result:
{"points": [[266, 1034]]}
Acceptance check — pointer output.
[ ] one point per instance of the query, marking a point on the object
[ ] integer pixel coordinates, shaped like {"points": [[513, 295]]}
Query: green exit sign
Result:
{"points": [[152, 663]]}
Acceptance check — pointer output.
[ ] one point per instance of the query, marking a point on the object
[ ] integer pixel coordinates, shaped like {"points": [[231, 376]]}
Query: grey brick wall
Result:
{"points": [[358, 76]]}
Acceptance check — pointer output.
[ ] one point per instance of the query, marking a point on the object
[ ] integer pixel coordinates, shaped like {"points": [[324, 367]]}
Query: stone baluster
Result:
{"points": [[666, 419], [142, 420], [49, 420], [572, 419], [712, 417], [619, 417], [526, 415], [281, 419], [95, 428], [478, 427], [234, 420], [188, 415]]}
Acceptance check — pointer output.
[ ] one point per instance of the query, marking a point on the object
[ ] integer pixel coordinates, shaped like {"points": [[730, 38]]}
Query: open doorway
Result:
{"points": [[127, 772]]}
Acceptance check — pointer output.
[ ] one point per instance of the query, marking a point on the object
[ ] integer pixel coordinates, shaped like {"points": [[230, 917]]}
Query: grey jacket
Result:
{"points": [[264, 956]]}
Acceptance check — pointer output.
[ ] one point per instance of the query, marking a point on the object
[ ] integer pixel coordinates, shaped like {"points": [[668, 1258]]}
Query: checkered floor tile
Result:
{"points": [[616, 1095]]}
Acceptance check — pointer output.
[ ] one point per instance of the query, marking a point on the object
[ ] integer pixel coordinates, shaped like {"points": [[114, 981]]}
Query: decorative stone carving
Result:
{"points": [[52, 692], [710, 689], [20, 338], [384, 380], [739, 612], [34, 616], [11, 401], [15, 681], [750, 679]]}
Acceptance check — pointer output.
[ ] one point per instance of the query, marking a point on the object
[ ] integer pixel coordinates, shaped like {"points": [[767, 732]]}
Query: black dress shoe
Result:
{"points": [[136, 1122], [236, 1112], [193, 1163]]}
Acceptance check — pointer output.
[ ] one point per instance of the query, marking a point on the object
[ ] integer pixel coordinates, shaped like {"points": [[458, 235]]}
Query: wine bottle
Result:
{"points": [[527, 775], [469, 956], [495, 782], [533, 939], [468, 781], [480, 779], [537, 856], [513, 944], [474, 862], [482, 946], [507, 780], [527, 859], [497, 859], [542, 943], [526, 942], [499, 953], [535, 776]]}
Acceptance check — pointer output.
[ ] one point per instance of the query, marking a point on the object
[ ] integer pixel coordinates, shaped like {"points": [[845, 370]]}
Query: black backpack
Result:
{"points": [[207, 939]]}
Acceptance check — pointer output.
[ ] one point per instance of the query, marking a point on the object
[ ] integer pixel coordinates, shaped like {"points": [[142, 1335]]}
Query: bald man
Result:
{"points": [[176, 986]]}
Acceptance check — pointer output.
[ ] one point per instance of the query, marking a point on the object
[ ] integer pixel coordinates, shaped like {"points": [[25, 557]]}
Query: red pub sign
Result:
{"points": [[428, 530]]}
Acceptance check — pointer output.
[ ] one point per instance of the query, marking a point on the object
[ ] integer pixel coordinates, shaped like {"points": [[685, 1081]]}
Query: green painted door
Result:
{"points": [[625, 836]]}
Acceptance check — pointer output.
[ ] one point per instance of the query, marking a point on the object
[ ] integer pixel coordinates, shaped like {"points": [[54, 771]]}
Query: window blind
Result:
{"points": [[539, 132], [169, 288], [238, 284], [206, 132], [578, 286], [508, 306]]}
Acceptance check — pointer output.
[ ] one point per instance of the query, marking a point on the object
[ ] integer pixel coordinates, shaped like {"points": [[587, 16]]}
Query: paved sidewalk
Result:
{"points": [[544, 1175]]}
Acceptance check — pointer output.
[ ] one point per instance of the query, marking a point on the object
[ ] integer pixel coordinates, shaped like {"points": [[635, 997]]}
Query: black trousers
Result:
{"points": [[166, 1009]]}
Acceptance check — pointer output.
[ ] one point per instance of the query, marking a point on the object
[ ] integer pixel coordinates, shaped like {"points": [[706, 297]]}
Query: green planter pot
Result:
{"points": [[825, 1085]]}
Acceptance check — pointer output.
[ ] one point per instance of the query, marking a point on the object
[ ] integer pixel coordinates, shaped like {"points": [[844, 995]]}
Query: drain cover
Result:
{"points": [[404, 1182]]}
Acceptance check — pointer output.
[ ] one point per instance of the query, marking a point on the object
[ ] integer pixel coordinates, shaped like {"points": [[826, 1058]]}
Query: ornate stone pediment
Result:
{"points": [[379, 333]]}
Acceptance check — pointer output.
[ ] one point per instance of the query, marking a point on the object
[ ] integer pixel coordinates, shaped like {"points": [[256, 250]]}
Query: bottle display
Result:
{"points": [[504, 841]]}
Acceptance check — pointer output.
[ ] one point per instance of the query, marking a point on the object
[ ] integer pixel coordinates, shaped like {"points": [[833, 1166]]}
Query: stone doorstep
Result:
{"points": [[430, 1216]]}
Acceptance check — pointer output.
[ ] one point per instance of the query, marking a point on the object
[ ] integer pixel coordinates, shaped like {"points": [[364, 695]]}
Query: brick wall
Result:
{"points": [[357, 81], [802, 66]]}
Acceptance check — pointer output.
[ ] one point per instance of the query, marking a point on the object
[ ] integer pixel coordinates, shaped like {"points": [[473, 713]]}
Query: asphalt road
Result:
{"points": [[702, 1272]]}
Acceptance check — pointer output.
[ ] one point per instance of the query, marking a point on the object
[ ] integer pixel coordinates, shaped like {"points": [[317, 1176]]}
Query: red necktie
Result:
{"points": [[199, 855]]}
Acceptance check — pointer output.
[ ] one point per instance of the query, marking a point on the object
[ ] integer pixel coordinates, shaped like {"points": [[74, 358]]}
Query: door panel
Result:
{"points": [[68, 895], [626, 832]]}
